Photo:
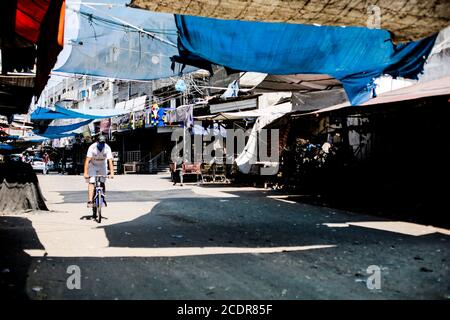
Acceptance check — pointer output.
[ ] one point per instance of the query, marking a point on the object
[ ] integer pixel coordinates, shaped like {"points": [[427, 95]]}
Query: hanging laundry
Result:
{"points": [[154, 115], [185, 115], [171, 116]]}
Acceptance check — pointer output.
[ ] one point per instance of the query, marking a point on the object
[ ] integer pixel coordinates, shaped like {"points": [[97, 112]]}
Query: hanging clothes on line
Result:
{"points": [[185, 115]]}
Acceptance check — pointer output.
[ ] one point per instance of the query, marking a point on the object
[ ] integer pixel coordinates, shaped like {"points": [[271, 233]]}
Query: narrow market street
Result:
{"points": [[160, 241]]}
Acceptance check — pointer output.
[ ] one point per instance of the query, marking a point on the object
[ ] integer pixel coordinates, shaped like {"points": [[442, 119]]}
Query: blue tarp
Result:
{"points": [[4, 146], [353, 55], [58, 135], [8, 137], [52, 130], [62, 113], [107, 45], [43, 137]]}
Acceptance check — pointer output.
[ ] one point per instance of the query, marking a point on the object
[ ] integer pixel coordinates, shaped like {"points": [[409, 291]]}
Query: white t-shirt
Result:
{"points": [[99, 158]]}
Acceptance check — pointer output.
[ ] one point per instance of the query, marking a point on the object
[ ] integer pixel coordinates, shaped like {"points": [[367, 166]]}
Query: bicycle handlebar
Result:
{"points": [[100, 176]]}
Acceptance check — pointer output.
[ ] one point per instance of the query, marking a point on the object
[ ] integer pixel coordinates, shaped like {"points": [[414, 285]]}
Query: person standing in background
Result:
{"points": [[46, 160]]}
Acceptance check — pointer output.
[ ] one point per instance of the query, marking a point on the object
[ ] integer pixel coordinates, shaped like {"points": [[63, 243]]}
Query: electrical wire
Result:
{"points": [[127, 24]]}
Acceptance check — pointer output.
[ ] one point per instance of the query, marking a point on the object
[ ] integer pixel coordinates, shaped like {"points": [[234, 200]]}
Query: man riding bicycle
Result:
{"points": [[98, 154]]}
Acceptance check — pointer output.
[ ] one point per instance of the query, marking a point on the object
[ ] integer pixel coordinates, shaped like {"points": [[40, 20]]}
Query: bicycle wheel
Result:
{"points": [[99, 209]]}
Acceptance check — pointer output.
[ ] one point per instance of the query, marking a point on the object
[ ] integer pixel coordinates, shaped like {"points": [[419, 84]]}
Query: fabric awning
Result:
{"points": [[61, 113], [122, 42], [223, 116], [354, 56], [297, 82], [5, 146], [60, 129], [29, 17], [230, 115], [31, 37], [438, 87], [408, 20]]}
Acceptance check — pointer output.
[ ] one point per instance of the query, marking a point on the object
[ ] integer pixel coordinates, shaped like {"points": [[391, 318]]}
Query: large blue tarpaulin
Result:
{"points": [[121, 42], [353, 55], [62, 113], [4, 146], [54, 130], [43, 137]]}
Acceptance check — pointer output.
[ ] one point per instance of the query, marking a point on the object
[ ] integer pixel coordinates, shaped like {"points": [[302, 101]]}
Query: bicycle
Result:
{"points": [[99, 198]]}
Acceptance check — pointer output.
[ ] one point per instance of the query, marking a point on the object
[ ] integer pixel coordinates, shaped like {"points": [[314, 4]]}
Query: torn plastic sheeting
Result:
{"points": [[249, 155]]}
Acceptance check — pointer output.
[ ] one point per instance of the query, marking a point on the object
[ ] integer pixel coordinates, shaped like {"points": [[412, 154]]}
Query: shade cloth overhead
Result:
{"points": [[407, 19], [58, 135], [62, 113], [5, 146], [29, 17], [266, 111], [232, 115], [355, 56], [43, 137], [307, 101], [297, 82], [438, 87], [31, 37], [121, 42], [58, 129], [7, 137]]}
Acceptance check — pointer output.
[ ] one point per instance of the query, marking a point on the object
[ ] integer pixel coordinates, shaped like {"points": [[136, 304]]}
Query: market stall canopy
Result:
{"points": [[268, 111], [298, 82], [230, 115], [438, 87], [407, 19], [62, 113], [354, 56], [121, 42], [31, 36], [61, 129], [7, 137], [16, 93], [5, 146], [41, 137], [308, 101]]}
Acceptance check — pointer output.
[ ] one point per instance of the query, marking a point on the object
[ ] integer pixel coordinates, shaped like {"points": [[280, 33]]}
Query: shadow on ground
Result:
{"points": [[16, 235], [412, 267]]}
